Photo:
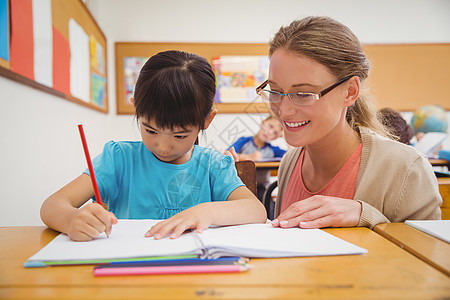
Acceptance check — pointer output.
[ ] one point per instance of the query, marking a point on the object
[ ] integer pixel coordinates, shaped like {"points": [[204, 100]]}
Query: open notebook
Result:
{"points": [[430, 142], [127, 241]]}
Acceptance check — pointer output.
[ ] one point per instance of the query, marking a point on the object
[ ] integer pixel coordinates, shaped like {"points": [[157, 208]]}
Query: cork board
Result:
{"points": [[403, 76]]}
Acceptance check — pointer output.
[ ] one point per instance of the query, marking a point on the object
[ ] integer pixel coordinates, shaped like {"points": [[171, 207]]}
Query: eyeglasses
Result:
{"points": [[298, 98]]}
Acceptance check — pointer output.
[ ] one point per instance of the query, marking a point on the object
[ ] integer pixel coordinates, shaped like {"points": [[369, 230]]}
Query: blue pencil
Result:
{"points": [[179, 262]]}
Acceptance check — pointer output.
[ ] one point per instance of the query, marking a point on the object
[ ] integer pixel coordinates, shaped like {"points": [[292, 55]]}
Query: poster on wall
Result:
{"points": [[4, 30], [56, 47], [238, 76], [131, 68]]}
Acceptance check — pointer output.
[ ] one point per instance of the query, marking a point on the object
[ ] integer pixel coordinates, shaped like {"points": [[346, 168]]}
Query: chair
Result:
{"points": [[246, 170], [268, 202]]}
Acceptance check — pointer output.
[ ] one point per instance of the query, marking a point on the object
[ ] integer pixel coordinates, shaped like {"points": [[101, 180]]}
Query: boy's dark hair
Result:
{"points": [[175, 89], [394, 121]]}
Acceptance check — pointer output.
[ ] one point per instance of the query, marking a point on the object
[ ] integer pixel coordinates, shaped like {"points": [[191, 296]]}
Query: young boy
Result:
{"points": [[258, 148]]}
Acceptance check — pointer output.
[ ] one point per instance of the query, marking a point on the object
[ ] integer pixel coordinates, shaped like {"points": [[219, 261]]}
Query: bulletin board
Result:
{"points": [[403, 76], [142, 51], [55, 46]]}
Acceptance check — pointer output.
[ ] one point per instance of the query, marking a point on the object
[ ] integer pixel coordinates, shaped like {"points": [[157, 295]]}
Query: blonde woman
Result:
{"points": [[345, 170]]}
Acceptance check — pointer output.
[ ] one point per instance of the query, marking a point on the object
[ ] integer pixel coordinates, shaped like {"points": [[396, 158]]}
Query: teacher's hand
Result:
{"points": [[320, 211]]}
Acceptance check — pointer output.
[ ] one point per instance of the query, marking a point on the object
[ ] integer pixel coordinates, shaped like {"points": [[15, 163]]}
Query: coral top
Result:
{"points": [[342, 185]]}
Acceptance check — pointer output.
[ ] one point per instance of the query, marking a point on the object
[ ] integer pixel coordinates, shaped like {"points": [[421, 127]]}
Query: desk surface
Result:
{"points": [[385, 272], [439, 162], [426, 247], [267, 164]]}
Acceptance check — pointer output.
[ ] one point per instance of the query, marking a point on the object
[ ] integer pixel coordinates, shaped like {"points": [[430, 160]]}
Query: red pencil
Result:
{"points": [[91, 169], [99, 271]]}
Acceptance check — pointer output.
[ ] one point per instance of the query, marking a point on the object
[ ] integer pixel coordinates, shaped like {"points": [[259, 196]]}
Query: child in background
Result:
{"points": [[258, 148], [164, 176], [398, 126]]}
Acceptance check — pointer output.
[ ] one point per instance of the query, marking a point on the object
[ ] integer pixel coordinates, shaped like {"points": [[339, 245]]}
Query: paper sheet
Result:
{"points": [[126, 241], [79, 62], [264, 240], [43, 42], [436, 228]]}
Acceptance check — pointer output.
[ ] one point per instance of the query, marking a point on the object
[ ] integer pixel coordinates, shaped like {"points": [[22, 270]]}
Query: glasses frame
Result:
{"points": [[316, 96]]}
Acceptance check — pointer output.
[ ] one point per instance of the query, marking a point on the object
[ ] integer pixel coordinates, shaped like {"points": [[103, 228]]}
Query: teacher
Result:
{"points": [[346, 169]]}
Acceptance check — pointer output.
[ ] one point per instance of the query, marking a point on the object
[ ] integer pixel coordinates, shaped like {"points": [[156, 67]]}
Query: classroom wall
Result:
{"points": [[40, 144]]}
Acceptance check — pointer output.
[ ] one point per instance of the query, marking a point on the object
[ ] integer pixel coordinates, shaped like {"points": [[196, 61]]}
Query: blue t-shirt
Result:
{"points": [[246, 145], [136, 185]]}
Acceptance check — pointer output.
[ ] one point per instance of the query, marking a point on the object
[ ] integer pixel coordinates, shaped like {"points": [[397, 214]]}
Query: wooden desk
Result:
{"points": [[268, 165], [440, 163], [426, 247], [385, 272], [444, 190]]}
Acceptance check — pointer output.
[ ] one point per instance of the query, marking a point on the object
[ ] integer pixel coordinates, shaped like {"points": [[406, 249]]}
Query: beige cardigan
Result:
{"points": [[395, 182]]}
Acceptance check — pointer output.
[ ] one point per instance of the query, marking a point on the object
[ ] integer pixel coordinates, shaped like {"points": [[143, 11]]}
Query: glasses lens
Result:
{"points": [[303, 98], [268, 96]]}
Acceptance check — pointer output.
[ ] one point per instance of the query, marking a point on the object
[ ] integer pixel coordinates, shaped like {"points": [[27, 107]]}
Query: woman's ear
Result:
{"points": [[354, 85], [210, 118], [132, 100]]}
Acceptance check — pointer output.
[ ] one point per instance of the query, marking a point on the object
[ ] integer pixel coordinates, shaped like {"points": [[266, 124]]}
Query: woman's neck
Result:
{"points": [[323, 160]]}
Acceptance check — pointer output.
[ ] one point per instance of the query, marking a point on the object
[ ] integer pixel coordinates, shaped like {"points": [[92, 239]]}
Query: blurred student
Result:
{"points": [[396, 124], [164, 176], [258, 147], [344, 169]]}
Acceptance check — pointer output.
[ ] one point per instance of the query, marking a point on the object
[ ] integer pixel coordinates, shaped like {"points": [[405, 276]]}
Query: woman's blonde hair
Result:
{"points": [[335, 46]]}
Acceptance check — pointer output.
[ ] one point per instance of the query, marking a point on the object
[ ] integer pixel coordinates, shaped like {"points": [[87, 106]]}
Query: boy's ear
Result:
{"points": [[210, 118]]}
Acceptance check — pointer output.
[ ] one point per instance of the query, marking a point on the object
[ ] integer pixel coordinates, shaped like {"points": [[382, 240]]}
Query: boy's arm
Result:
{"points": [[255, 156], [61, 211]]}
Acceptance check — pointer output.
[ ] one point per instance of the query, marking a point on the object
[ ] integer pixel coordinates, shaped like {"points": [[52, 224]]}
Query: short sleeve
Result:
{"points": [[108, 169], [224, 178], [278, 152]]}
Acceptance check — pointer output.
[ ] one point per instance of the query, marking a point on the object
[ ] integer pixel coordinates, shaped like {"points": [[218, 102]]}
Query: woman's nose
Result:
{"points": [[286, 107]]}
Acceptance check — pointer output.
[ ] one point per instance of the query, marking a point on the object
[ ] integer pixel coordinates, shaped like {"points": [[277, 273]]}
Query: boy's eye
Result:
{"points": [[181, 137], [150, 131]]}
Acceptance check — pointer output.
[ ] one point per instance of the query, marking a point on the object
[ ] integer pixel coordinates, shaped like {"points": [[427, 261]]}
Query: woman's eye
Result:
{"points": [[303, 95]]}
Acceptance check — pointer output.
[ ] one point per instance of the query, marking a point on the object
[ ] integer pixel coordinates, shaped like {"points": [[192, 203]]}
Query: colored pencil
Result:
{"points": [[180, 262], [91, 168], [102, 271]]}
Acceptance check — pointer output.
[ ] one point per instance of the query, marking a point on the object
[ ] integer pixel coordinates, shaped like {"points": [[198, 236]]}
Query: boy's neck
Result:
{"points": [[258, 142]]}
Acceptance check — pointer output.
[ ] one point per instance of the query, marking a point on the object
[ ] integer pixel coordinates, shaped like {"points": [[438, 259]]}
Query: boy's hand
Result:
{"points": [[90, 221], [256, 156], [198, 217], [232, 153]]}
